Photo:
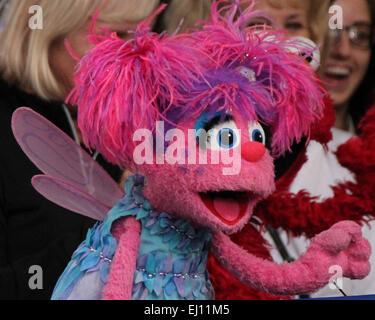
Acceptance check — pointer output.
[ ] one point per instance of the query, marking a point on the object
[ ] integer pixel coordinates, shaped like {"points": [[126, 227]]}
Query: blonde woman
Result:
{"points": [[37, 238]]}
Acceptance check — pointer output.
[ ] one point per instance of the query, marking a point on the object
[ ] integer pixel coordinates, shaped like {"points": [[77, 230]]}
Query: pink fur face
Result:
{"points": [[203, 193]]}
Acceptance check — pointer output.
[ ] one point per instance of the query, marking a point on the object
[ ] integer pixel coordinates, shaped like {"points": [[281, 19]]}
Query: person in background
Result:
{"points": [[36, 70], [350, 66]]}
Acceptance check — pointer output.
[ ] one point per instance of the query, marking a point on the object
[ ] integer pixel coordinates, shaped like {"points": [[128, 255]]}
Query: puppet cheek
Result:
{"points": [[253, 151]]}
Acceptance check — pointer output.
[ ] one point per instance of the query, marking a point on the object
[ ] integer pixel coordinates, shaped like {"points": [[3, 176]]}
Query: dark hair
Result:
{"points": [[364, 97]]}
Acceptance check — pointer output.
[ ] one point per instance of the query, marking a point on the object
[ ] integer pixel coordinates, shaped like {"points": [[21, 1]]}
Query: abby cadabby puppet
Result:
{"points": [[198, 119]]}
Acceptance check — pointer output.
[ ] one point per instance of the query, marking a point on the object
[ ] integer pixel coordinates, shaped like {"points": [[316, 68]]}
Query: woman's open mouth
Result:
{"points": [[336, 76], [228, 206]]}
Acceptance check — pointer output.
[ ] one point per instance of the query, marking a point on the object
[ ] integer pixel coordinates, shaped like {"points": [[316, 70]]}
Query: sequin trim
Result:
{"points": [[175, 275], [101, 255]]}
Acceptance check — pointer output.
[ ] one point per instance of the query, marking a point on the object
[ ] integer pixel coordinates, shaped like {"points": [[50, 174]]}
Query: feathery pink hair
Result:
{"points": [[295, 94], [122, 86]]}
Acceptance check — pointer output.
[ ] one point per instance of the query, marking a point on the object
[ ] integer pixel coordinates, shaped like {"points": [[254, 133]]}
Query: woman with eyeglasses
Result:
{"points": [[349, 68]]}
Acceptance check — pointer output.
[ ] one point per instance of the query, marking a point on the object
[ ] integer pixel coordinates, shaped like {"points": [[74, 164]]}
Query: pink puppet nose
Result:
{"points": [[253, 151]]}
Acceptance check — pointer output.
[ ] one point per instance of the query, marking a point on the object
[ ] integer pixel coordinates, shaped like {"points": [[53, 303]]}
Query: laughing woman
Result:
{"points": [[349, 71]]}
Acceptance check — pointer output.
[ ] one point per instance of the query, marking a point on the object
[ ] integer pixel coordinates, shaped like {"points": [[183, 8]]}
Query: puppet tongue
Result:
{"points": [[227, 208]]}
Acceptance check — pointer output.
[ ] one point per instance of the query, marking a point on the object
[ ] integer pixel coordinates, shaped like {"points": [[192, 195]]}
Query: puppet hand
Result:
{"points": [[341, 245]]}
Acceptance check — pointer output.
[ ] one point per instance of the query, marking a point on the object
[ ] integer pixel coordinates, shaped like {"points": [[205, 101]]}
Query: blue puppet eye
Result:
{"points": [[226, 138], [216, 132], [224, 135], [257, 133]]}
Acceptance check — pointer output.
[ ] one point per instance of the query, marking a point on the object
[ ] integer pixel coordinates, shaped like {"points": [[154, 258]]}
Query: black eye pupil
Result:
{"points": [[258, 137]]}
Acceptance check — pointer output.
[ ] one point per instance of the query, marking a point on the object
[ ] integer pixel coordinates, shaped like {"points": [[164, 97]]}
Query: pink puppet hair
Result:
{"points": [[125, 85], [122, 86], [295, 95]]}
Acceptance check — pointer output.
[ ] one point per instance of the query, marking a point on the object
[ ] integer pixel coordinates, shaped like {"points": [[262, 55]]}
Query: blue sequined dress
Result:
{"points": [[171, 261]]}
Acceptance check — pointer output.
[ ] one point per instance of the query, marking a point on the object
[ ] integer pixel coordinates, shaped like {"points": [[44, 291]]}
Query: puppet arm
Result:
{"points": [[341, 245], [120, 279]]}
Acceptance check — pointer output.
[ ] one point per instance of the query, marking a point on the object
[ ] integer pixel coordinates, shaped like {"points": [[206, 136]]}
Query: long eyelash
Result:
{"points": [[217, 120]]}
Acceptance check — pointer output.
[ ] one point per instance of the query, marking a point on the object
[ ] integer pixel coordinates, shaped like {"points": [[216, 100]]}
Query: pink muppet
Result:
{"points": [[248, 98]]}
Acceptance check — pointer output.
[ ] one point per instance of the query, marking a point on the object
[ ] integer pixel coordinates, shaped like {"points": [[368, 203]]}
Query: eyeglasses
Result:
{"points": [[359, 36]]}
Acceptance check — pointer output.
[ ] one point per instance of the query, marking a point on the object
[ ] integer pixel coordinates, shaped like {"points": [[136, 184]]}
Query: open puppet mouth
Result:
{"points": [[228, 206]]}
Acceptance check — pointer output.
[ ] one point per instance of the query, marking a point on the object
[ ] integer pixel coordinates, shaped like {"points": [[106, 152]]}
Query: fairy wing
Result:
{"points": [[69, 197], [72, 176]]}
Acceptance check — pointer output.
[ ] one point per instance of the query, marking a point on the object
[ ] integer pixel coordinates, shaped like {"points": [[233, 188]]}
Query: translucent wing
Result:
{"points": [[58, 156], [70, 197]]}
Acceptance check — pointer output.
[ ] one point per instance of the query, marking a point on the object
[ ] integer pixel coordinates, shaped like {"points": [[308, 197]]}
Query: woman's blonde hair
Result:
{"points": [[317, 14], [24, 52]]}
